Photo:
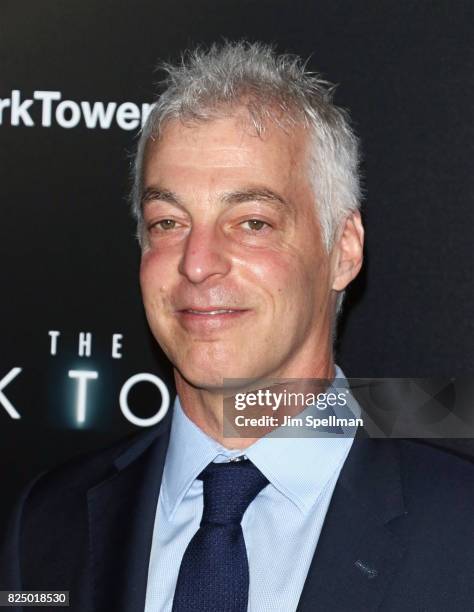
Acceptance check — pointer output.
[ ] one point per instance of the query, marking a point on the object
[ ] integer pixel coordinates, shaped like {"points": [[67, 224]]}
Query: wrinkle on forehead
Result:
{"points": [[209, 156], [203, 145]]}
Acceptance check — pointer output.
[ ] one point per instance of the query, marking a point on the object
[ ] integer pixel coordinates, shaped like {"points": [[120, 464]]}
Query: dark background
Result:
{"points": [[68, 257]]}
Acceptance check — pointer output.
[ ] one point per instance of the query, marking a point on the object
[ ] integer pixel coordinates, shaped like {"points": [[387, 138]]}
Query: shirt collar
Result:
{"points": [[299, 468], [190, 450]]}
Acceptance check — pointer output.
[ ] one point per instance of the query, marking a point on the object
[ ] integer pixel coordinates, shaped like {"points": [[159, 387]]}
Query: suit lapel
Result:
{"points": [[357, 554], [121, 519]]}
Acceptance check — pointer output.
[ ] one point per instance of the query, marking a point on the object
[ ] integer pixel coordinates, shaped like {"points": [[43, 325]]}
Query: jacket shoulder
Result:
{"points": [[77, 475], [438, 487], [436, 467]]}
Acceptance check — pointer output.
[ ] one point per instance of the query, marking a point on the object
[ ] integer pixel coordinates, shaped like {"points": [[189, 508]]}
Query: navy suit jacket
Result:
{"points": [[398, 534]]}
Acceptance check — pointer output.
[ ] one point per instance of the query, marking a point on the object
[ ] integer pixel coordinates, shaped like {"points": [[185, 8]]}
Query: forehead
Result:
{"points": [[229, 145]]}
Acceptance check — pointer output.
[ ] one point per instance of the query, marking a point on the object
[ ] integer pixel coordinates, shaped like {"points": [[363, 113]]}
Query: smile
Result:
{"points": [[209, 320], [210, 312]]}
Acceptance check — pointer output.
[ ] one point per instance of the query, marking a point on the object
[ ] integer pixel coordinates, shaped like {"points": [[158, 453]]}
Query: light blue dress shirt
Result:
{"points": [[281, 526]]}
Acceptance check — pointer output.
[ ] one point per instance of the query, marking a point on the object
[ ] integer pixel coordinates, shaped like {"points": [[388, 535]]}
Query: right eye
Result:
{"points": [[164, 224]]}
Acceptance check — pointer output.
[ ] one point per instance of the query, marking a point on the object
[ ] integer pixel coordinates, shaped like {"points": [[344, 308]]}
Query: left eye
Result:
{"points": [[255, 225]]}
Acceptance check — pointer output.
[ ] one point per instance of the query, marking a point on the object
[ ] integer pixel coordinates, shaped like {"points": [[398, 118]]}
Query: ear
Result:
{"points": [[347, 252]]}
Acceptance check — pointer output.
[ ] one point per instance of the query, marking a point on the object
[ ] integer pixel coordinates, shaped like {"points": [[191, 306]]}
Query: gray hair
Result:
{"points": [[212, 83]]}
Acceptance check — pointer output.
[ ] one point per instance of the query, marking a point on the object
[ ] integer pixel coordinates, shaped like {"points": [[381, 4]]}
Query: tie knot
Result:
{"points": [[229, 488]]}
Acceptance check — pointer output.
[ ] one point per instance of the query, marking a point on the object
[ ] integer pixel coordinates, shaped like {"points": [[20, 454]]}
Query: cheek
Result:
{"points": [[275, 274], [293, 280], [154, 274]]}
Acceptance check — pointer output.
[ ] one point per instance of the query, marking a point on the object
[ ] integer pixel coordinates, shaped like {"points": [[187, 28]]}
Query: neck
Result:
{"points": [[205, 406]]}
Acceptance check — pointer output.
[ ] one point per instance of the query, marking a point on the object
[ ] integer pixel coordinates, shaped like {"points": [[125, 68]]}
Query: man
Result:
{"points": [[246, 195]]}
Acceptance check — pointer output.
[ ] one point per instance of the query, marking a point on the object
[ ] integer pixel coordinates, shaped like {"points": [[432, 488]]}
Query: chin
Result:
{"points": [[207, 380], [207, 375]]}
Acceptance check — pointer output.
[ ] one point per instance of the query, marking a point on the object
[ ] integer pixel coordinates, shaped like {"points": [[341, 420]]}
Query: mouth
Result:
{"points": [[210, 311], [209, 319]]}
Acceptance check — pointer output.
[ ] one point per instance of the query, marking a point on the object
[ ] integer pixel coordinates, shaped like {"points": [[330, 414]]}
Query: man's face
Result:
{"points": [[235, 280]]}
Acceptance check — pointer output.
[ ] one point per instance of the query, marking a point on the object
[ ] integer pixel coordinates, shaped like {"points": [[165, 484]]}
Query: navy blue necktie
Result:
{"points": [[214, 572]]}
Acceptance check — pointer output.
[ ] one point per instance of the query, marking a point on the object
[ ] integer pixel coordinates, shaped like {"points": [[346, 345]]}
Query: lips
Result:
{"points": [[209, 320], [209, 311]]}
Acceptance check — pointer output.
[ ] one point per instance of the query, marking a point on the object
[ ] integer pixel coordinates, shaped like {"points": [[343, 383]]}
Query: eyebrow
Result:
{"points": [[262, 194], [156, 193]]}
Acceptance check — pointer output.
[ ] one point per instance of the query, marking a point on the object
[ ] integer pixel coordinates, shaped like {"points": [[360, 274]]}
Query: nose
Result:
{"points": [[204, 255]]}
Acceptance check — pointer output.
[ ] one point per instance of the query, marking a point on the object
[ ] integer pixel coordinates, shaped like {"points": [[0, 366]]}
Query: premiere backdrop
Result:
{"points": [[78, 368]]}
